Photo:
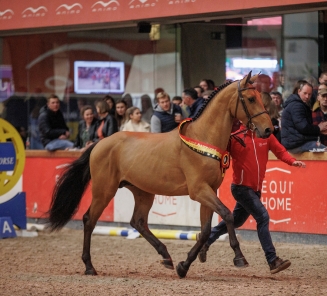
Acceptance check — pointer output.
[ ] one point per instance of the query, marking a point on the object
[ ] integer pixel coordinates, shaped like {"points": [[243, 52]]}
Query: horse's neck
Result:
{"points": [[214, 125]]}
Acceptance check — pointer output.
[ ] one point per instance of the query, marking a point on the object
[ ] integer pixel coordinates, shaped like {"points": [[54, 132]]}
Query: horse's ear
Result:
{"points": [[247, 79], [253, 78]]}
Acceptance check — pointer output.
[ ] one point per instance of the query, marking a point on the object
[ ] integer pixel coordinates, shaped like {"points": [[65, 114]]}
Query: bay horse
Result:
{"points": [[149, 164]]}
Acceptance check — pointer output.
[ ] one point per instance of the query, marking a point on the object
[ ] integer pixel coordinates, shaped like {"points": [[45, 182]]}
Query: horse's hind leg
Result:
{"points": [[100, 200], [143, 204]]}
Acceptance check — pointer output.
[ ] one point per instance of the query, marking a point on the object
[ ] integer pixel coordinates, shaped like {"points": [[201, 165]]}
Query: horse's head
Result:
{"points": [[252, 113]]}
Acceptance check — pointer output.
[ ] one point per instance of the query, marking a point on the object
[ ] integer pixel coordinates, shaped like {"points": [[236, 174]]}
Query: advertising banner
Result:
{"points": [[295, 198], [40, 176], [38, 14]]}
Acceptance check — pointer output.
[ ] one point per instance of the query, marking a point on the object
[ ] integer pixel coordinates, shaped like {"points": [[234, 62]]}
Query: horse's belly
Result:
{"points": [[162, 186], [157, 178]]}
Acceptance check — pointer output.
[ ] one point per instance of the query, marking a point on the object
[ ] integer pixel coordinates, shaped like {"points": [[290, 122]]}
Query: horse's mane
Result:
{"points": [[217, 90]]}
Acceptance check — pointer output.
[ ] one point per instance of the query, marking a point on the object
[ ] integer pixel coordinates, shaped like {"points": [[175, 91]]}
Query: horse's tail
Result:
{"points": [[69, 190]]}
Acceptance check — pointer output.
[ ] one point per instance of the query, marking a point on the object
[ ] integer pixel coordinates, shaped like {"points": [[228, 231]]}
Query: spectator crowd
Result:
{"points": [[299, 120]]}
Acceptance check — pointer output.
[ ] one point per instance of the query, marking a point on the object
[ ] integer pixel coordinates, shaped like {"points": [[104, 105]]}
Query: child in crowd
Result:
{"points": [[135, 123]]}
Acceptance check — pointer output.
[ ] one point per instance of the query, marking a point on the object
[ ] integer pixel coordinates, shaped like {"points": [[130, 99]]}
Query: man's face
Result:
{"points": [[164, 103], [322, 98], [54, 104], [186, 99], [276, 99], [323, 79], [323, 102], [305, 93]]}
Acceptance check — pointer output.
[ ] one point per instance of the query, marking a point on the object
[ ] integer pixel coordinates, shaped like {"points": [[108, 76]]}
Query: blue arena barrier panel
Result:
{"points": [[15, 208], [6, 228]]}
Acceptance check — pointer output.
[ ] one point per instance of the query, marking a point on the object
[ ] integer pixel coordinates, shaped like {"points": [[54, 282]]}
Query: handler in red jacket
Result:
{"points": [[249, 167]]}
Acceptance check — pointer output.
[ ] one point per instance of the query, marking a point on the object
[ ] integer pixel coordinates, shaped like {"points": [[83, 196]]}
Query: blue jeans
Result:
{"points": [[248, 203], [58, 144], [306, 147]]}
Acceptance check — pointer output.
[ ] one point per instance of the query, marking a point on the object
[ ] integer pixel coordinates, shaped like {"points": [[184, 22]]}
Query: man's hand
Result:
{"points": [[323, 126], [298, 163], [64, 136]]}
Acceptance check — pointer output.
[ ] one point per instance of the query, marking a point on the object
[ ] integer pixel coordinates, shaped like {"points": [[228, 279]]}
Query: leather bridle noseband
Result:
{"points": [[250, 125]]}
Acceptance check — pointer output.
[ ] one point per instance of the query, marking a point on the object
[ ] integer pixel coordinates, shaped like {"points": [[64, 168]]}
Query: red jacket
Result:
{"points": [[249, 163]]}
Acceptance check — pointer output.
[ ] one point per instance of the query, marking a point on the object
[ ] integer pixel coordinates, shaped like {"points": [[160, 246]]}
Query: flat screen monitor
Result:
{"points": [[99, 77]]}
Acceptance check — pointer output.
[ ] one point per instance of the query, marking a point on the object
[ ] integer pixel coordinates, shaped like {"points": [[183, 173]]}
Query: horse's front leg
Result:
{"points": [[205, 217], [209, 200]]}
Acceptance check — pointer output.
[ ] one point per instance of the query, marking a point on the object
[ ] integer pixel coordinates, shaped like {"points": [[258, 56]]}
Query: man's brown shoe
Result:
{"points": [[278, 265], [203, 253]]}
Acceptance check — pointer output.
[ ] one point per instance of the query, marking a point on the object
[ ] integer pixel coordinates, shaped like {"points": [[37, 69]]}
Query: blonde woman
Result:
{"points": [[135, 123]]}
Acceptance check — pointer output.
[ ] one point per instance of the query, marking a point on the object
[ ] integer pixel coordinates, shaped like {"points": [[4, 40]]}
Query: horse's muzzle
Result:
{"points": [[267, 132]]}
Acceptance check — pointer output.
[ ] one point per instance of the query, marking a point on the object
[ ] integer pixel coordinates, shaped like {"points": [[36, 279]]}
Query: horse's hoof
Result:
{"points": [[91, 272], [181, 271], [240, 262], [168, 263]]}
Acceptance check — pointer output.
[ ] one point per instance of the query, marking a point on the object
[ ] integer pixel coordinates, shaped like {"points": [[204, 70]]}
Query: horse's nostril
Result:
{"points": [[268, 131]]}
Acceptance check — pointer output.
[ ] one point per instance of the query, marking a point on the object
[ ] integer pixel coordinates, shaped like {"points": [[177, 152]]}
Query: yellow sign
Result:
{"points": [[9, 136]]}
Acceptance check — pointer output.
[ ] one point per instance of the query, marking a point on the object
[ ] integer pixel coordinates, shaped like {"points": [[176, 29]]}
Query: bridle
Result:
{"points": [[250, 125]]}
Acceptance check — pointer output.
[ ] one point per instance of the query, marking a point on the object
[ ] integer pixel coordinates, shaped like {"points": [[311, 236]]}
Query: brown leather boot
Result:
{"points": [[278, 265], [203, 253]]}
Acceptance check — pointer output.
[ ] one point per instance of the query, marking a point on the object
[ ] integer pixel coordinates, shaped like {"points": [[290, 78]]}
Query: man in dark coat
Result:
{"points": [[53, 129], [190, 99], [298, 132]]}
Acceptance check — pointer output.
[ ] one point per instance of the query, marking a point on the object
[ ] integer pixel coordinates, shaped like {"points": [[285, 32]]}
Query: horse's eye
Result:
{"points": [[252, 100]]}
